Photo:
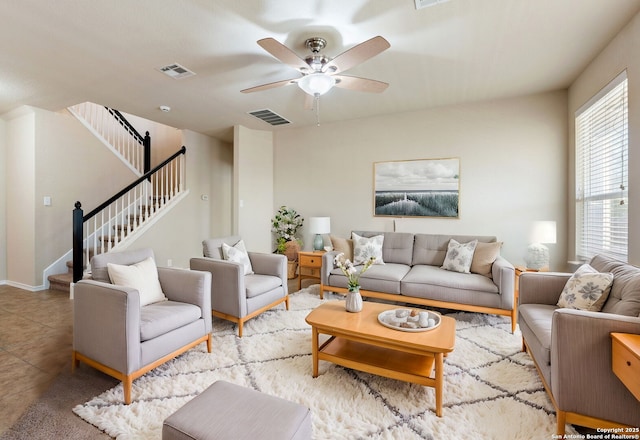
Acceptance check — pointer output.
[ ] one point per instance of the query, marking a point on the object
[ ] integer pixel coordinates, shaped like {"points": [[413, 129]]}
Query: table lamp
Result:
{"points": [[537, 253], [319, 226]]}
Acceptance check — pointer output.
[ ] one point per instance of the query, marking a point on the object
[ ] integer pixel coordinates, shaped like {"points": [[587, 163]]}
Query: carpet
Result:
{"points": [[492, 389]]}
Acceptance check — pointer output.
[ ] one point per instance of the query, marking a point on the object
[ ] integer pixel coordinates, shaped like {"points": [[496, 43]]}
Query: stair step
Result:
{"points": [[61, 282]]}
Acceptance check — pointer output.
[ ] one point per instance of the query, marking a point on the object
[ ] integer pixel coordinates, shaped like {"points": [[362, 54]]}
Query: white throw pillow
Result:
{"points": [[142, 276], [365, 248], [238, 253], [587, 289], [459, 256]]}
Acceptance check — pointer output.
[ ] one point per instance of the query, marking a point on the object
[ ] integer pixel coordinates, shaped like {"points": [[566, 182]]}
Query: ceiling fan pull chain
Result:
{"points": [[317, 102]]}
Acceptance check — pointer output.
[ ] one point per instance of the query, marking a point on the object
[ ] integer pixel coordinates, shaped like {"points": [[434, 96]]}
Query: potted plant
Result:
{"points": [[285, 224]]}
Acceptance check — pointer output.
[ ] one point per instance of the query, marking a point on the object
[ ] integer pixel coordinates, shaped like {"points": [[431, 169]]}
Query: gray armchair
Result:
{"points": [[113, 333], [572, 348], [238, 297]]}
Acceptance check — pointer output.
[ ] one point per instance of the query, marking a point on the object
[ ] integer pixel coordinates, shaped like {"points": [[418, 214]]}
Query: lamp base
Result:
{"points": [[318, 243], [537, 256]]}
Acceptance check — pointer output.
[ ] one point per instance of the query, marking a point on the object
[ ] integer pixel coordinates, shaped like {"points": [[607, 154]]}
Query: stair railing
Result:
{"points": [[109, 224], [117, 132]]}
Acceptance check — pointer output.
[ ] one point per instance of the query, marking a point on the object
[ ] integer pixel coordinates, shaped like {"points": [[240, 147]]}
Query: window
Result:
{"points": [[601, 173]]}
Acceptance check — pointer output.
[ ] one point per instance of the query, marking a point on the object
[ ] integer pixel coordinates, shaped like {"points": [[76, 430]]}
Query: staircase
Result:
{"points": [[114, 224]]}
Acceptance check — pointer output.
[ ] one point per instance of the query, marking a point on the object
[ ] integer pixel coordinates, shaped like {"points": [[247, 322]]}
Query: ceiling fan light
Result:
{"points": [[316, 83]]}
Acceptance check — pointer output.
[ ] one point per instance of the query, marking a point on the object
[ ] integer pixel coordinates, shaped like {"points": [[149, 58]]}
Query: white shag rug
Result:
{"points": [[491, 390]]}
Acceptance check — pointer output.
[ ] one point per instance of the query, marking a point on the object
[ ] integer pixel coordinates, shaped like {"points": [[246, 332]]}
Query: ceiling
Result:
{"points": [[59, 53]]}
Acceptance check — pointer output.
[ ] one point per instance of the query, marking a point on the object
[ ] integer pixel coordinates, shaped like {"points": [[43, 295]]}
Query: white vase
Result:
{"points": [[353, 302]]}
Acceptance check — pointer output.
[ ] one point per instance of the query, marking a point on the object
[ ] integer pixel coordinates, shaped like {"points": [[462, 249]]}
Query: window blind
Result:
{"points": [[602, 173]]}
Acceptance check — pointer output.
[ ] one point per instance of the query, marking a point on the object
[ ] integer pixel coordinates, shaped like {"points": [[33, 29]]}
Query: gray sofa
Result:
{"points": [[572, 348], [412, 273]]}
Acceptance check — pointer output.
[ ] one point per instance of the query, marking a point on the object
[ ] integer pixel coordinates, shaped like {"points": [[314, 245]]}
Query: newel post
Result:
{"points": [[147, 152], [78, 266]]}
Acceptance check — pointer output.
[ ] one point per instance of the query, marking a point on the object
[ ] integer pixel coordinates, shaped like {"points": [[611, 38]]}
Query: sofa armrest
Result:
{"points": [[228, 293], [327, 266], [582, 380], [504, 274], [541, 287], [106, 324], [188, 286]]}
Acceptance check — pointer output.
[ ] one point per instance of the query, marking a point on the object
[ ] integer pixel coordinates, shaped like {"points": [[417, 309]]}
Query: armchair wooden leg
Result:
{"points": [[240, 322], [74, 362], [127, 383], [209, 337], [286, 302]]}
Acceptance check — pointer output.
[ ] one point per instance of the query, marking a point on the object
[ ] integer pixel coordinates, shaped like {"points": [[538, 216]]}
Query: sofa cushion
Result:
{"points": [[484, 256], [365, 248], [342, 246], [160, 318], [379, 278], [535, 321], [587, 289], [459, 256], [624, 298], [431, 248], [256, 284], [238, 254], [429, 275], [396, 248], [142, 276]]}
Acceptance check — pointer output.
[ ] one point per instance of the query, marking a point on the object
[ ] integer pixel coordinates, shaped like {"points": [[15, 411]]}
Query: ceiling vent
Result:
{"points": [[425, 3], [176, 71], [269, 117]]}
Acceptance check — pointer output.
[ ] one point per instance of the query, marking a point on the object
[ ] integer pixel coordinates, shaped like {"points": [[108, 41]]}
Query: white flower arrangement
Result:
{"points": [[350, 271]]}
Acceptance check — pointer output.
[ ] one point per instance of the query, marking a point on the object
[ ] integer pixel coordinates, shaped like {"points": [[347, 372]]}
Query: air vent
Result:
{"points": [[425, 3], [176, 71], [269, 117]]}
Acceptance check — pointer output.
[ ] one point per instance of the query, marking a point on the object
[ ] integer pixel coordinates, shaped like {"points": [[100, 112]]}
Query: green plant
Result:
{"points": [[285, 225]]}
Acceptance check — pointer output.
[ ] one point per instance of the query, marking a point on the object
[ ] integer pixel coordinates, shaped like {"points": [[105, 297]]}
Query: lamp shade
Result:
{"points": [[316, 83], [320, 225], [543, 232]]}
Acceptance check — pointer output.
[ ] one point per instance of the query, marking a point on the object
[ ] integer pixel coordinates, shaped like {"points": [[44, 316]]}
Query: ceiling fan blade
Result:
{"points": [[284, 54], [356, 55], [360, 84], [272, 85]]}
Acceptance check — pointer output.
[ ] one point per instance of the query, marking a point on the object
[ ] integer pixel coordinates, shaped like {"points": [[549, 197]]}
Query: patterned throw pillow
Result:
{"points": [[459, 256], [238, 253], [587, 289], [365, 248]]}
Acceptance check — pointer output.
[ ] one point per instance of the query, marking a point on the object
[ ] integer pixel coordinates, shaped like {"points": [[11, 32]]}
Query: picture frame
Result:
{"points": [[417, 188]]}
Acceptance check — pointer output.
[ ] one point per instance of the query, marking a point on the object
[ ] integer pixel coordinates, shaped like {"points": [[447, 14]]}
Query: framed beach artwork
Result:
{"points": [[417, 188]]}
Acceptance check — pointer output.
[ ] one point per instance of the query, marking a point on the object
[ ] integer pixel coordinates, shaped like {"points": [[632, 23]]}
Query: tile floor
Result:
{"points": [[36, 334]]}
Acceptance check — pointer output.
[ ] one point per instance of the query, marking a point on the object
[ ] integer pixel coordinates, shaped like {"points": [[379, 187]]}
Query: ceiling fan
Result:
{"points": [[321, 73]]}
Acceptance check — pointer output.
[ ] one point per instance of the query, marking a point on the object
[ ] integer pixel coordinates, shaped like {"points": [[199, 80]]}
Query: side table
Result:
{"points": [[625, 360], [309, 266]]}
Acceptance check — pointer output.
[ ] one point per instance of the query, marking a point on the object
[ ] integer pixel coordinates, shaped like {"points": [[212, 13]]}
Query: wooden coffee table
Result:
{"points": [[360, 342]]}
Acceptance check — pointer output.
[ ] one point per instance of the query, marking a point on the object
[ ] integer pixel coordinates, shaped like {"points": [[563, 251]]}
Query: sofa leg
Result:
{"points": [[209, 343], [562, 420], [240, 322], [286, 302]]}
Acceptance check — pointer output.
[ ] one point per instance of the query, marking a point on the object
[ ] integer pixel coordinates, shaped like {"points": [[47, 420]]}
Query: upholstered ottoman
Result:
{"points": [[225, 411]]}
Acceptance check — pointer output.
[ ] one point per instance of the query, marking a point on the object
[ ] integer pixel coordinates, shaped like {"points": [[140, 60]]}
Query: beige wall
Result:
{"points": [[620, 54], [253, 187], [3, 201], [178, 235], [513, 159]]}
